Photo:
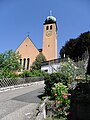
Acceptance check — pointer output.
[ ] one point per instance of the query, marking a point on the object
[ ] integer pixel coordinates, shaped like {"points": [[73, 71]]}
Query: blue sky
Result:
{"points": [[17, 17]]}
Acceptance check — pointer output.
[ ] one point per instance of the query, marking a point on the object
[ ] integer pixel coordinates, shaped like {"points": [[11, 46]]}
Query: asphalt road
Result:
{"points": [[20, 104]]}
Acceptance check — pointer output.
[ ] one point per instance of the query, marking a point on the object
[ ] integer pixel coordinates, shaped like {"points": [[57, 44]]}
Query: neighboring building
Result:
{"points": [[53, 66], [29, 51]]}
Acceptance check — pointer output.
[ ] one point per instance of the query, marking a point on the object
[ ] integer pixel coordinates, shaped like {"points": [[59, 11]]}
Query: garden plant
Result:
{"points": [[61, 101]]}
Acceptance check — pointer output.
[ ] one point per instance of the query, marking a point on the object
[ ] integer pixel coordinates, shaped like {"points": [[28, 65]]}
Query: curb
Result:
{"points": [[4, 89]]}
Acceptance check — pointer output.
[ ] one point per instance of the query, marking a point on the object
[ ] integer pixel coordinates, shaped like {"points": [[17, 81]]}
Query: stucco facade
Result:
{"points": [[28, 50], [50, 41]]}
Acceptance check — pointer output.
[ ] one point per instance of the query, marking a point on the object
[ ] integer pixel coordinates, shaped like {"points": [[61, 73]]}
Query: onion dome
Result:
{"points": [[50, 20]]}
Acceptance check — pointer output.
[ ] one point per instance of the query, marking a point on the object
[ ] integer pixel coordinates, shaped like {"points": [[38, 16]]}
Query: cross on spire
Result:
{"points": [[28, 33], [50, 12]]}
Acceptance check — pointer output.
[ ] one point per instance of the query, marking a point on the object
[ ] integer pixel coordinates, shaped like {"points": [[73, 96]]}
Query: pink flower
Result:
{"points": [[69, 94], [65, 96], [55, 94]]}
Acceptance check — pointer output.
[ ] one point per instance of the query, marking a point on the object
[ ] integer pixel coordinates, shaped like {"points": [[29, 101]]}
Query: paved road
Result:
{"points": [[21, 103]]}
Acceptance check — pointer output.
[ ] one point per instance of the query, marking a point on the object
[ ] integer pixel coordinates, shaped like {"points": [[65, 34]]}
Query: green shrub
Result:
{"points": [[60, 92], [7, 74], [25, 74], [50, 79], [38, 73], [61, 105], [32, 73]]}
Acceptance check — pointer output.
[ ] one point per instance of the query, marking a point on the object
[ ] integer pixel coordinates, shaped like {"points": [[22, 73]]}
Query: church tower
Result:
{"points": [[49, 48]]}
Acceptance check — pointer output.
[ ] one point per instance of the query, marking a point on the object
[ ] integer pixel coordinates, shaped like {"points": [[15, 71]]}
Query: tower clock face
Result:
{"points": [[48, 33]]}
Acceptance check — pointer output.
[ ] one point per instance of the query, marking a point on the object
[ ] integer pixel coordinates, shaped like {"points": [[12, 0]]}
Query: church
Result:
{"points": [[29, 51]]}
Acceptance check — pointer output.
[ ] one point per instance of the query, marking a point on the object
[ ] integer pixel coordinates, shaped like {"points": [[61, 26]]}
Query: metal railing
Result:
{"points": [[5, 82]]}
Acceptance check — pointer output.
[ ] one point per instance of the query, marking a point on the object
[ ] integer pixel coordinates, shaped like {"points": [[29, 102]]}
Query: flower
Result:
{"points": [[55, 94], [65, 96], [62, 100], [69, 94]]}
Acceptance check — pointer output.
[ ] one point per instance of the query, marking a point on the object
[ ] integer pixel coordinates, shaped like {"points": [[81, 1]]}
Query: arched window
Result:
{"points": [[24, 63], [28, 60], [21, 62], [50, 27], [47, 27]]}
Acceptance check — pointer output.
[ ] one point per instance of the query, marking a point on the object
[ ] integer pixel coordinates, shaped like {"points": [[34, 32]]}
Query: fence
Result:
{"points": [[5, 82]]}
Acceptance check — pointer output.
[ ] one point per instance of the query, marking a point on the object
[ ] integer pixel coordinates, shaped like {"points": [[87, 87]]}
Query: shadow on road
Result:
{"points": [[31, 97]]}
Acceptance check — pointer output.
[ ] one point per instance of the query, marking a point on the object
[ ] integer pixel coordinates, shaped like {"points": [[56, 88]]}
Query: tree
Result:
{"points": [[9, 63], [88, 66], [38, 61], [68, 48], [74, 48]]}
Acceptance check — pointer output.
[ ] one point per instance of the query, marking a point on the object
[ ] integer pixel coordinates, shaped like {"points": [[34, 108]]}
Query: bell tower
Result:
{"points": [[50, 38]]}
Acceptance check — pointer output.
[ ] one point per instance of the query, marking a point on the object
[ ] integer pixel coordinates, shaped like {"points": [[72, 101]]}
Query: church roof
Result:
{"points": [[30, 41]]}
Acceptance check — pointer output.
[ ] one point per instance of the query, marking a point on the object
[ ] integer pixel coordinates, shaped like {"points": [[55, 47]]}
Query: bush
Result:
{"points": [[7, 74], [66, 74], [32, 73], [50, 79], [61, 104]]}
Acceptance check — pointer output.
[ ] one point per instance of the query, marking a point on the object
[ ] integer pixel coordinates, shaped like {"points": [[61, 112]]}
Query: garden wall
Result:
{"points": [[80, 102]]}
